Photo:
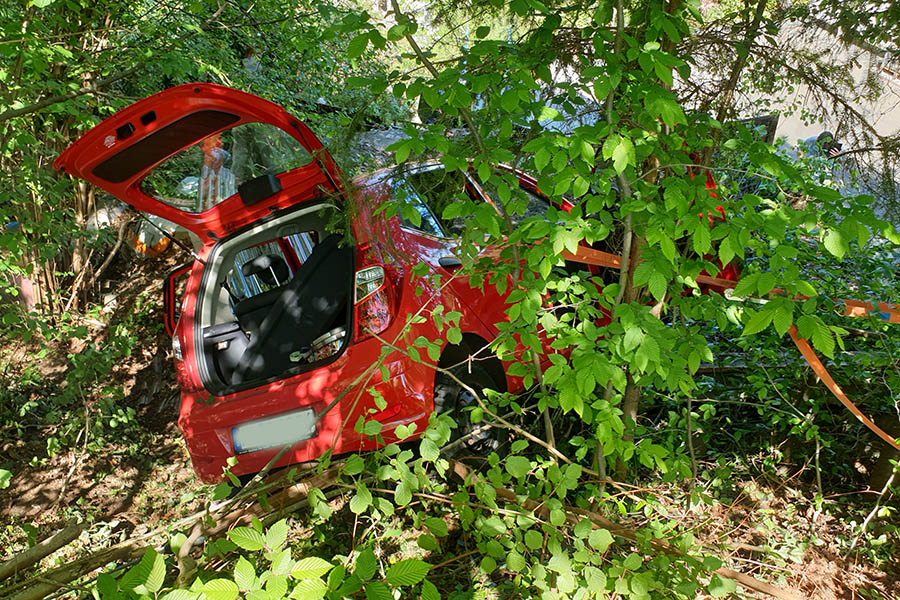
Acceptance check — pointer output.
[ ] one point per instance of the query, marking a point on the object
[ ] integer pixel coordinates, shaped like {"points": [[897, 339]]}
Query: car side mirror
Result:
{"points": [[173, 292]]}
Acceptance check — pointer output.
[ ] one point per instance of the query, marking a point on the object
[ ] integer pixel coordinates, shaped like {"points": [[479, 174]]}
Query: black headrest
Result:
{"points": [[263, 266]]}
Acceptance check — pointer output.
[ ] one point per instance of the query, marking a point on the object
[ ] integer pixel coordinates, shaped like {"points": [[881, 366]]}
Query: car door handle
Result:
{"points": [[449, 262]]}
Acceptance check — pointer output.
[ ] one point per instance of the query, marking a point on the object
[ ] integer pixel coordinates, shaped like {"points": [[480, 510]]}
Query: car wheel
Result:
{"points": [[454, 400]]}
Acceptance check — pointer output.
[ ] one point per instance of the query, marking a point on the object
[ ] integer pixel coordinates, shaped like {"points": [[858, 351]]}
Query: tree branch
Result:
{"points": [[50, 100]]}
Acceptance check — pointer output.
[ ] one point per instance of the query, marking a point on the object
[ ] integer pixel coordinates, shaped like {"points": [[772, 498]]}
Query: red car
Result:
{"points": [[295, 281]]}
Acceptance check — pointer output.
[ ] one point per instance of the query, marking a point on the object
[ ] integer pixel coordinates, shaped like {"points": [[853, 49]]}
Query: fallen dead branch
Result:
{"points": [[282, 495], [224, 516], [574, 515], [31, 556]]}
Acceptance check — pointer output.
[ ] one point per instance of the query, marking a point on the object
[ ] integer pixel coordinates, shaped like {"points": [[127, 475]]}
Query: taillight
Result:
{"points": [[368, 281], [374, 299]]}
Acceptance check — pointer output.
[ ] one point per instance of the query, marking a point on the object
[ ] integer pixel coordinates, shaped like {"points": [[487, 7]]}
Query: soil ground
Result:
{"points": [[144, 478]]}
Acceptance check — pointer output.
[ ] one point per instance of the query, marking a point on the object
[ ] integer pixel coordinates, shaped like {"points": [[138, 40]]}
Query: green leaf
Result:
{"points": [[747, 285], [361, 501], [407, 572], [358, 45], [426, 541], [580, 186], [633, 562], [149, 573], [173, 595], [720, 587], [244, 574], [431, 97], [221, 491], [276, 585], [665, 75], [657, 285], [350, 586], [482, 32], [337, 577], [823, 340], [666, 108], [596, 581], [541, 159], [404, 431], [515, 562], [600, 539], [836, 244], [610, 145], [437, 526], [701, 240], [488, 564], [354, 465], [5, 478], [758, 321], [533, 539], [376, 590], [782, 320], [429, 449], [668, 247], [493, 526], [309, 589], [583, 528], [282, 563], [220, 589], [372, 427], [891, 233], [623, 155], [633, 337], [310, 568], [518, 466], [509, 100], [277, 534], [403, 494], [396, 32], [366, 564], [766, 283], [430, 591], [247, 539]]}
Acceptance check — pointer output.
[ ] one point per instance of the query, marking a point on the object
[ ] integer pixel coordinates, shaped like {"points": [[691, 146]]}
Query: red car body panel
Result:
{"points": [[127, 129], [207, 421]]}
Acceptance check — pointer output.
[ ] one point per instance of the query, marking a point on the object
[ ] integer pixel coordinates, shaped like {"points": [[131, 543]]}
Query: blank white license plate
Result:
{"points": [[271, 432]]}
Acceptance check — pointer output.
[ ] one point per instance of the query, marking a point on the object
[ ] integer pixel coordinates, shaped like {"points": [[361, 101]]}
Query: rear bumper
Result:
{"points": [[408, 392]]}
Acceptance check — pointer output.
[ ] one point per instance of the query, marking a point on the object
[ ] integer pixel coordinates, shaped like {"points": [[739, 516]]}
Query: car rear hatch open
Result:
{"points": [[209, 158]]}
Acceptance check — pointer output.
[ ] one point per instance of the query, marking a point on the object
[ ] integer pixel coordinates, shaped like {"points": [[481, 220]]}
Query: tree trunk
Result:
{"points": [[632, 396]]}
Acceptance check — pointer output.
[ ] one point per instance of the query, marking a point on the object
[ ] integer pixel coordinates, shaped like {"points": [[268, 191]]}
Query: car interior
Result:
{"points": [[273, 298]]}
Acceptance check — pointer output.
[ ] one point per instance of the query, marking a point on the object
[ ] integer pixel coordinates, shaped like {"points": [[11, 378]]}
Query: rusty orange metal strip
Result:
{"points": [[589, 256], [820, 370], [852, 308]]}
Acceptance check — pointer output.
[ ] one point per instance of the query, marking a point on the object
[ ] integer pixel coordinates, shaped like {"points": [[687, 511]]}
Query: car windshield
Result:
{"points": [[211, 170]]}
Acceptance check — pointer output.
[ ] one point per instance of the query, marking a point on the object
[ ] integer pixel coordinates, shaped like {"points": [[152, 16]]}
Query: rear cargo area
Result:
{"points": [[277, 301]]}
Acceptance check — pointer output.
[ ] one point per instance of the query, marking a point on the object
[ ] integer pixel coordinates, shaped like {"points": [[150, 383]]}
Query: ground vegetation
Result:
{"points": [[678, 448]]}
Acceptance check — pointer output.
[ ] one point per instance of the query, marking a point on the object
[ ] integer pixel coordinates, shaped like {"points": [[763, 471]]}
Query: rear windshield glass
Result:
{"points": [[210, 171]]}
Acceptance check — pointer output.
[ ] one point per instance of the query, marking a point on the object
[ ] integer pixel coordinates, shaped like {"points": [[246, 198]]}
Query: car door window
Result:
{"points": [[429, 192], [536, 205], [428, 222]]}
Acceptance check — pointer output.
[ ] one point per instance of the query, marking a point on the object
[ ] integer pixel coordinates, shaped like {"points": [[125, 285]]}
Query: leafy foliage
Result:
{"points": [[614, 150]]}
